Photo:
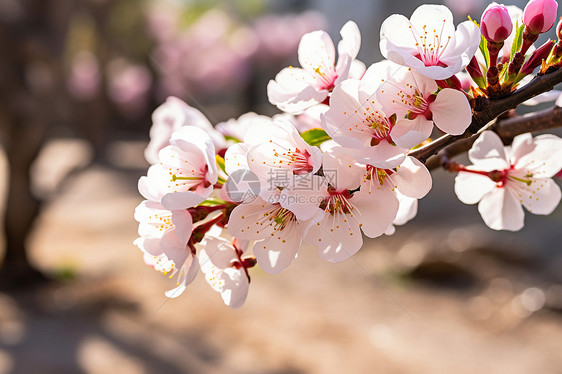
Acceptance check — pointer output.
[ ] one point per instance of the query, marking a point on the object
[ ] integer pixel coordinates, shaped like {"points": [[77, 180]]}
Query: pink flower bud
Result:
{"points": [[496, 24], [539, 15]]}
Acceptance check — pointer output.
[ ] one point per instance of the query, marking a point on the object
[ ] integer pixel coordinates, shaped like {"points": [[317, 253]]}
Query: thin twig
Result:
{"points": [[507, 129], [487, 110]]}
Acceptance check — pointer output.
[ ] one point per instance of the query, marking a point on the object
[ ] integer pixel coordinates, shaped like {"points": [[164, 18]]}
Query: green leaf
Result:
{"points": [[315, 137], [212, 202], [484, 50], [517, 40], [232, 138], [220, 163]]}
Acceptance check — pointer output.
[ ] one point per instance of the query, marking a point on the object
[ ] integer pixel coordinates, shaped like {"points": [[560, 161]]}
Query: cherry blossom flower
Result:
{"points": [[414, 99], [278, 146], [225, 271], [277, 232], [186, 173], [355, 120], [502, 179], [428, 42], [295, 89], [171, 116], [164, 235], [337, 231]]}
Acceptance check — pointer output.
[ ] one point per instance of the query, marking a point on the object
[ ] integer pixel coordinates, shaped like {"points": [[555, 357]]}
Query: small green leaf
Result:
{"points": [[220, 163], [212, 202], [517, 40], [232, 139], [315, 137], [484, 50]]}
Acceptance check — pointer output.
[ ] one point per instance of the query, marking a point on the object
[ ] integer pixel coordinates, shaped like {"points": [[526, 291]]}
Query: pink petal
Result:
{"points": [[337, 237], [376, 208], [316, 50], [541, 197], [184, 200], [451, 111], [412, 178], [501, 210], [470, 188], [409, 133], [488, 147], [277, 252]]}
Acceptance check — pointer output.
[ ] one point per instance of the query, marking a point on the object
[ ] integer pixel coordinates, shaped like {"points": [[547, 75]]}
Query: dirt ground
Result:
{"points": [[443, 295]]}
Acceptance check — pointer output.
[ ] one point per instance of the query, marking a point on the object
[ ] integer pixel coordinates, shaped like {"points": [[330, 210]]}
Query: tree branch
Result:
{"points": [[507, 129], [487, 110]]}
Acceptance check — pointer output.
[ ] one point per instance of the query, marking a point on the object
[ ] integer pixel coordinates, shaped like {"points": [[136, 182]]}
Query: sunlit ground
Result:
{"points": [[458, 298]]}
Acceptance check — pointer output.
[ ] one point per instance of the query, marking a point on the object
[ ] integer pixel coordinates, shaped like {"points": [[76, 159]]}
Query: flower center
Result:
{"points": [[188, 179], [337, 202], [431, 44], [297, 160], [325, 78]]}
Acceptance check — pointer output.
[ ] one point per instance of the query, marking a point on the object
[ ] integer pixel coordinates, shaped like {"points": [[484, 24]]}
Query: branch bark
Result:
{"points": [[487, 110], [507, 129]]}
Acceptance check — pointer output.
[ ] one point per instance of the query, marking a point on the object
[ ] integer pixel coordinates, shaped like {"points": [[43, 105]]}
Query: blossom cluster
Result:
{"points": [[335, 165]]}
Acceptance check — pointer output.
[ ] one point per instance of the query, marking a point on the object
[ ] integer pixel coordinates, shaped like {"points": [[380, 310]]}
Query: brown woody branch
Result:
{"points": [[507, 129], [487, 110]]}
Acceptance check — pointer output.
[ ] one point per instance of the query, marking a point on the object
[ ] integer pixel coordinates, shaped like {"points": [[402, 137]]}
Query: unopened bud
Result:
{"points": [[496, 24], [536, 58], [539, 15]]}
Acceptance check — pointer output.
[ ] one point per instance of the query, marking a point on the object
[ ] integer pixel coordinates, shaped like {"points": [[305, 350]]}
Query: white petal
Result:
{"points": [[351, 40], [470, 188], [396, 35], [409, 133], [383, 155], [292, 91], [303, 195], [184, 200], [316, 50], [488, 146], [451, 111], [407, 210], [252, 220], [501, 210], [337, 237], [235, 157], [541, 197], [341, 168], [277, 252], [376, 208], [235, 288], [412, 178], [545, 160], [219, 251], [342, 121]]}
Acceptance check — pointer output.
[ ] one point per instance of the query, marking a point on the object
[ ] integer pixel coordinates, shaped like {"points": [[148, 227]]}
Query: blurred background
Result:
{"points": [[79, 80]]}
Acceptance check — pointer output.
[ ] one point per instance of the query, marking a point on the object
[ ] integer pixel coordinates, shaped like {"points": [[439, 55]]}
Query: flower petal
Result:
{"points": [[470, 188], [501, 210], [488, 146], [277, 252], [412, 178], [337, 236], [316, 50], [409, 133], [451, 111], [376, 208], [541, 197]]}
